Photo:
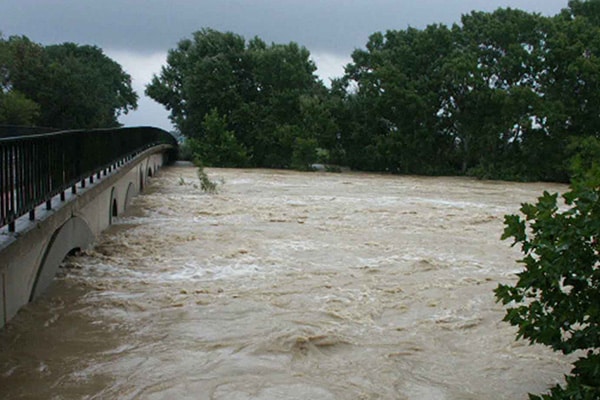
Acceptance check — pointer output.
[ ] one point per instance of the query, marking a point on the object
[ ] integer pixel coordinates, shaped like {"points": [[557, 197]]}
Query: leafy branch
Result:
{"points": [[556, 300]]}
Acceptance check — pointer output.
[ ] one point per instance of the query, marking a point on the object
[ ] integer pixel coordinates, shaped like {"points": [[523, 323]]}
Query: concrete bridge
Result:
{"points": [[58, 191]]}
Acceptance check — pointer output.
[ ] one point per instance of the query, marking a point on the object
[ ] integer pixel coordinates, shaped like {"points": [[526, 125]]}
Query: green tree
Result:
{"points": [[320, 128], [587, 8], [217, 146], [394, 86], [585, 161], [257, 88], [285, 82], [16, 109], [74, 86], [22, 64], [492, 95], [203, 73], [98, 89], [572, 82], [304, 153], [20, 61]]}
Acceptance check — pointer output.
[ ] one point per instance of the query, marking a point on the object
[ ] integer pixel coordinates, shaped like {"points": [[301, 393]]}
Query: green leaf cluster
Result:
{"points": [[218, 145], [17, 109], [556, 300]]}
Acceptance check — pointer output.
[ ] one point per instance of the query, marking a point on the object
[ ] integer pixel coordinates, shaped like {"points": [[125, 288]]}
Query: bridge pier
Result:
{"points": [[30, 256]]}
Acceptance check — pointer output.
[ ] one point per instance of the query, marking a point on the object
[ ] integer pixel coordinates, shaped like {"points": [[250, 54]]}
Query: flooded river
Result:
{"points": [[286, 285]]}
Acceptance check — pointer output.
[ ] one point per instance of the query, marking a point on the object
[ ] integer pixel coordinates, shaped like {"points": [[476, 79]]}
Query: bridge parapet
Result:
{"points": [[70, 184], [35, 168]]}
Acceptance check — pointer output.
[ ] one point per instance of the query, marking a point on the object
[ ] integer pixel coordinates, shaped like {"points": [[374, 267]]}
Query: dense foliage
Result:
{"points": [[244, 103], [503, 95], [507, 95], [61, 86], [556, 301]]}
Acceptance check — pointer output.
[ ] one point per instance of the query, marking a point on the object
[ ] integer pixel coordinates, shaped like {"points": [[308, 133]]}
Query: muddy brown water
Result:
{"points": [[286, 285]]}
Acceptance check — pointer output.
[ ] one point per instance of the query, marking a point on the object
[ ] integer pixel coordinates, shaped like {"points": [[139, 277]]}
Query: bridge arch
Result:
{"points": [[141, 180], [113, 206], [75, 234], [148, 171], [129, 194]]}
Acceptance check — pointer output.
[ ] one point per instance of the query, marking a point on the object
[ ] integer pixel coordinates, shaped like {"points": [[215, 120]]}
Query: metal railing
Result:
{"points": [[36, 168], [17, 130]]}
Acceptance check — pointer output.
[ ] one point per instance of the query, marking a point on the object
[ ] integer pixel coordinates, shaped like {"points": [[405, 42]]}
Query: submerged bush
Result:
{"points": [[207, 185]]}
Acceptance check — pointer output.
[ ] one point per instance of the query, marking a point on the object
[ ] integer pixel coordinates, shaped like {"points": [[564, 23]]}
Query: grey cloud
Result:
{"points": [[144, 26]]}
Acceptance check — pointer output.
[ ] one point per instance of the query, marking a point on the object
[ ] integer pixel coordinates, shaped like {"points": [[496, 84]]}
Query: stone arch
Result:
{"points": [[141, 180], [129, 195], [113, 206], [75, 234]]}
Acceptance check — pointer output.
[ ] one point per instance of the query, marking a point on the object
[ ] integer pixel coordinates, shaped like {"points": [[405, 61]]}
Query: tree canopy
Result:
{"points": [[65, 86], [505, 94], [502, 95], [270, 104]]}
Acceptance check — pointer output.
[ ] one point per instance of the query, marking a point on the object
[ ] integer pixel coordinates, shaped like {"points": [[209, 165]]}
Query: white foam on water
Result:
{"points": [[287, 285]]}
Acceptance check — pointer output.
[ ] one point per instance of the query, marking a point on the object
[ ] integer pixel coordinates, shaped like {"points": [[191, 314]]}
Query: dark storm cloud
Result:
{"points": [[145, 26]]}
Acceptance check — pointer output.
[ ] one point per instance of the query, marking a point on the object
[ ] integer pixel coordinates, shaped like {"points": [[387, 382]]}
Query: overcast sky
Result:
{"points": [[138, 33]]}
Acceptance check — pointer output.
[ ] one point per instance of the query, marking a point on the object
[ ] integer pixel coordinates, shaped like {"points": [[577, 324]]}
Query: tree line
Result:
{"points": [[503, 95], [507, 94], [66, 86]]}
